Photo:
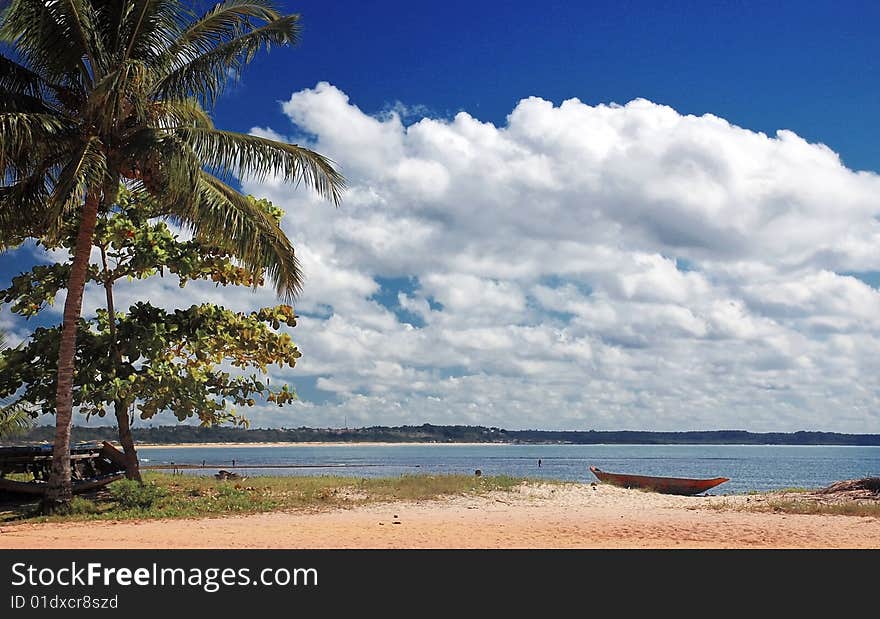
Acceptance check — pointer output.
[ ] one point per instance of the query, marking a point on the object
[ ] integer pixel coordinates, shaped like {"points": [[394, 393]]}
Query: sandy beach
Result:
{"points": [[535, 516]]}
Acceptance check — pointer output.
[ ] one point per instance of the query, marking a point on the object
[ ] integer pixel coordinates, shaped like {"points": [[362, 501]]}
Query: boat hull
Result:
{"points": [[92, 465], [38, 488], [665, 485]]}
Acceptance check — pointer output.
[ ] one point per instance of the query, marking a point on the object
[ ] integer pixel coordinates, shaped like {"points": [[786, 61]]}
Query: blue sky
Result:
{"points": [[811, 67], [603, 215]]}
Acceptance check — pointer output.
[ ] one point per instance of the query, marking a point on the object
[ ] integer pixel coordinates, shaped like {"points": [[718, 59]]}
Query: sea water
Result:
{"points": [[751, 468]]}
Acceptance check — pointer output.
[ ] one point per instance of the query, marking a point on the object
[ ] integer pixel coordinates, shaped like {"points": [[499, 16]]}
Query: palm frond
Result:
{"points": [[179, 170], [22, 90], [120, 96], [78, 19], [22, 210], [224, 21], [86, 171], [174, 113], [15, 419], [15, 78], [227, 153], [148, 27], [14, 102], [204, 74], [21, 133], [237, 223], [110, 20], [46, 40]]}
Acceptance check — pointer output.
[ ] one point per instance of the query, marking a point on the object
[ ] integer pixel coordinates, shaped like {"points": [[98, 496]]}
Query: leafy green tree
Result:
{"points": [[98, 92], [149, 360]]}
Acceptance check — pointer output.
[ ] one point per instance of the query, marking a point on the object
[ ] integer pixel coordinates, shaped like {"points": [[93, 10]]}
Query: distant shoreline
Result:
{"points": [[462, 444], [428, 434], [301, 444]]}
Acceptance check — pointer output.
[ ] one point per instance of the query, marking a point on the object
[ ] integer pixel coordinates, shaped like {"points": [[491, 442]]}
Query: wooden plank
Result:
{"points": [[26, 459], [114, 455]]}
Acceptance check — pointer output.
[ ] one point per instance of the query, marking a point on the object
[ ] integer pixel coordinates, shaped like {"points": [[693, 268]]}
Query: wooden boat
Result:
{"points": [[666, 485], [92, 465]]}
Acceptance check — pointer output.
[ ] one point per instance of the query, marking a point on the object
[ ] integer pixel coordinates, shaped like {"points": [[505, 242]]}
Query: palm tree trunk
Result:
{"points": [[58, 490], [123, 423]]}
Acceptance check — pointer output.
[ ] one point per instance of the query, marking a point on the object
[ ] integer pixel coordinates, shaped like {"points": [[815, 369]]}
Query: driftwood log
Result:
{"points": [[870, 484]]}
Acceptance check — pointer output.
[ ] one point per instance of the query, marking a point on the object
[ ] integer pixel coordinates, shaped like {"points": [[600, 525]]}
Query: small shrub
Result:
{"points": [[230, 492], [79, 505], [130, 494]]}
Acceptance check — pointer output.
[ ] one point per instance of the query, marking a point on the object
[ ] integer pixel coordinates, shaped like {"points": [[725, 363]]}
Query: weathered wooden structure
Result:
{"points": [[25, 469]]}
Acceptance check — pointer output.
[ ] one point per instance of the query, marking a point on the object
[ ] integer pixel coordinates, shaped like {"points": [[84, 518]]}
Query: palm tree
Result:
{"points": [[98, 92]]}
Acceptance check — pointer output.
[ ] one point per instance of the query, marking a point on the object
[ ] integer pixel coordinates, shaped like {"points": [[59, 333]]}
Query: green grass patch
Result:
{"points": [[842, 508], [180, 496], [131, 495], [20, 476], [82, 506], [800, 501]]}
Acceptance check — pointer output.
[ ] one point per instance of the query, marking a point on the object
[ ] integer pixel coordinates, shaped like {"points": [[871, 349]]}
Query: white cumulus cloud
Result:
{"points": [[578, 267], [584, 267]]}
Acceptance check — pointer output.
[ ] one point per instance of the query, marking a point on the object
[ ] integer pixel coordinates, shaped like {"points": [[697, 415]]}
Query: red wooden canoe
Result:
{"points": [[666, 485]]}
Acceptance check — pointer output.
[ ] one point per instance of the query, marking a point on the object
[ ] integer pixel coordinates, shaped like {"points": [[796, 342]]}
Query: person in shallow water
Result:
{"points": [[539, 462]]}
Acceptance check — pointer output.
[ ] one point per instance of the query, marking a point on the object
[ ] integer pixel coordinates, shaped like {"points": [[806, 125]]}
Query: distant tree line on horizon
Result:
{"points": [[429, 433]]}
